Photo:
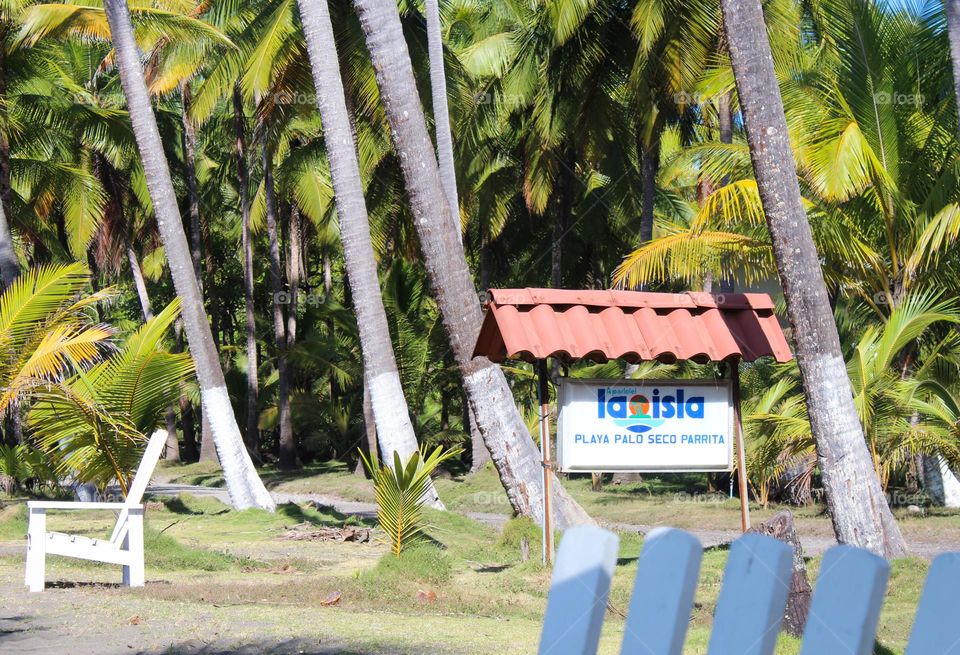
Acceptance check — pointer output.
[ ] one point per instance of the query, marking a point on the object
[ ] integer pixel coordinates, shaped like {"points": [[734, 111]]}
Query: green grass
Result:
{"points": [[200, 550]]}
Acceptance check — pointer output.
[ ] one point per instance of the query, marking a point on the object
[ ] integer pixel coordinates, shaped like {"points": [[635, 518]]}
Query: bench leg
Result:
{"points": [[36, 550], [133, 573]]}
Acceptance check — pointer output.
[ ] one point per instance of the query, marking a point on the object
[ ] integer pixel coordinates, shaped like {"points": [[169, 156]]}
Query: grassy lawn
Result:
{"points": [[231, 579]]}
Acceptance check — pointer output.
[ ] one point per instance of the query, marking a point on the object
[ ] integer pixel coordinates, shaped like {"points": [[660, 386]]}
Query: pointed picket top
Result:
{"points": [[756, 582], [936, 629], [663, 592], [578, 591], [846, 602]]}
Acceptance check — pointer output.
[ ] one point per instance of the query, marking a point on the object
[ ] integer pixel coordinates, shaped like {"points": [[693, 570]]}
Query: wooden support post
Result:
{"points": [[543, 389], [741, 448], [36, 549]]}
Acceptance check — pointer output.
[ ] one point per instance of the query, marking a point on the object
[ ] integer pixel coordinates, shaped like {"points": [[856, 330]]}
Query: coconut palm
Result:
{"points": [[93, 425], [504, 433], [858, 508], [394, 429], [245, 487], [45, 330]]}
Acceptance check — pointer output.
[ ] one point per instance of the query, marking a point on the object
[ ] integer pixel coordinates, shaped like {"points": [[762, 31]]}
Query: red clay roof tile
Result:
{"points": [[569, 324]]}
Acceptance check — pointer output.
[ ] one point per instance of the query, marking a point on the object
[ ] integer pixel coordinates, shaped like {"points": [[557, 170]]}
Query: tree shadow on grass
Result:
{"points": [[223, 647]]}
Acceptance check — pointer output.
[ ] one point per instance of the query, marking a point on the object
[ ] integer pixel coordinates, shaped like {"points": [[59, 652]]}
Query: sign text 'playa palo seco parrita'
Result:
{"points": [[645, 425]]}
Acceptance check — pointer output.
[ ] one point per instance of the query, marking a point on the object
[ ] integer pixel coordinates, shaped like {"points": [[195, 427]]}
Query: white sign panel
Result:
{"points": [[645, 425]]}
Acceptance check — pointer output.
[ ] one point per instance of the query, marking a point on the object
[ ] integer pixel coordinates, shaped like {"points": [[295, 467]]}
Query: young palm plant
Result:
{"points": [[45, 329], [93, 425], [402, 492]]}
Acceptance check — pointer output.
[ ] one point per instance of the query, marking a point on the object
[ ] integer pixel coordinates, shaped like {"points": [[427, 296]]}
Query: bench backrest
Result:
{"points": [[843, 617], [151, 455]]}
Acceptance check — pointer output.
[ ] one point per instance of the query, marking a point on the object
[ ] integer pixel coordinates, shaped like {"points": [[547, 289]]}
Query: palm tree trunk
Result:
{"points": [[9, 266], [137, 273], [288, 449], [294, 273], [245, 487], [369, 429], [441, 113], [394, 429], [952, 8], [512, 450], [172, 451], [208, 449], [726, 136], [250, 322], [855, 500], [649, 166]]}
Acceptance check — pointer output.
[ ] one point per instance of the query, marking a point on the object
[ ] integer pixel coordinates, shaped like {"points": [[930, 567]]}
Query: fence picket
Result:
{"points": [[936, 629], [578, 591], [846, 603], [662, 593], [756, 581]]}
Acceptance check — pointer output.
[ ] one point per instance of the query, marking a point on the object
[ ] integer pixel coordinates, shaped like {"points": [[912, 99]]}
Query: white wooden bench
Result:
{"points": [[125, 546], [843, 614]]}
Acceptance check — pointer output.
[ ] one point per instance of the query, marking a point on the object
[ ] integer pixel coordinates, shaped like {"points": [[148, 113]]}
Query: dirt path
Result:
{"points": [[813, 544]]}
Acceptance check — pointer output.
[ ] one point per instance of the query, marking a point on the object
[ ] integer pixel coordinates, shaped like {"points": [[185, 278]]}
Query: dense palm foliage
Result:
{"points": [[595, 144]]}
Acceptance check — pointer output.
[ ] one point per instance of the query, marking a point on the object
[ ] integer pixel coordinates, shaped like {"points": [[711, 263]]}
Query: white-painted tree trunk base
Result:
{"points": [[398, 435], [243, 484], [940, 483]]}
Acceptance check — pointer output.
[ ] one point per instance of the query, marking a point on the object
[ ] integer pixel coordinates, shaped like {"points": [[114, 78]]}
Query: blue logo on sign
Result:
{"points": [[639, 413]]}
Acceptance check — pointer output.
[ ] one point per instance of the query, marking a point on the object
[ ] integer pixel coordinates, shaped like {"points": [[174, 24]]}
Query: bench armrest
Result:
{"points": [[69, 504]]}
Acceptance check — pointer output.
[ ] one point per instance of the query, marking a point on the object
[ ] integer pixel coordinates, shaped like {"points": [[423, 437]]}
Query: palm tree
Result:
{"points": [[245, 487], [512, 450], [392, 417], [93, 425], [857, 505], [441, 114]]}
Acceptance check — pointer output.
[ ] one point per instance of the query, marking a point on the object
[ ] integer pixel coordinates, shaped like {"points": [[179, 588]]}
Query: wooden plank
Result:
{"points": [[663, 593], [71, 504], [34, 576], [752, 598], [846, 603], [578, 591], [936, 628]]}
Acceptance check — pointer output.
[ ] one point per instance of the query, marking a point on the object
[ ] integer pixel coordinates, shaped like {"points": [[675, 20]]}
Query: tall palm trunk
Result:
{"points": [[857, 506], [137, 273], [394, 429], [288, 449], [441, 113], [294, 276], [649, 166], [250, 321], [513, 451], [208, 450], [172, 452], [9, 266], [245, 487], [952, 8]]}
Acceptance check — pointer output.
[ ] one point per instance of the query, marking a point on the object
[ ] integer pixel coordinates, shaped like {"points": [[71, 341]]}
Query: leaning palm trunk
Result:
{"points": [[952, 8], [245, 487], [392, 418], [512, 450], [857, 506]]}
